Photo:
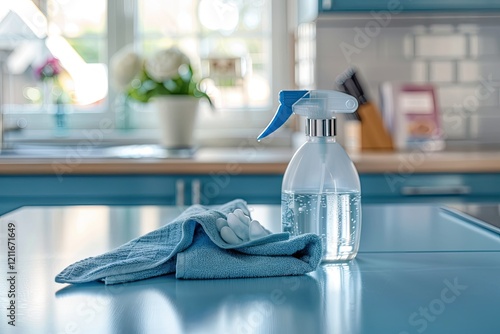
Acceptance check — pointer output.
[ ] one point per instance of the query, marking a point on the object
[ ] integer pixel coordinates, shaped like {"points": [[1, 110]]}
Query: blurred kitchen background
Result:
{"points": [[268, 45], [459, 54], [250, 36], [430, 71]]}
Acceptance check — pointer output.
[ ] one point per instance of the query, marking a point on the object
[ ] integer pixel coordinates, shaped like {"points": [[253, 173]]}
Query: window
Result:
{"points": [[233, 43], [77, 37], [230, 41], [38, 32]]}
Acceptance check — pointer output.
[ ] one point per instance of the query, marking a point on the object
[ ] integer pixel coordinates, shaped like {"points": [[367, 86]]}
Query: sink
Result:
{"points": [[148, 151], [35, 151], [485, 214]]}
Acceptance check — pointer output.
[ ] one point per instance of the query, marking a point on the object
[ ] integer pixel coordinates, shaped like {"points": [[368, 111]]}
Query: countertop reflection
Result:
{"points": [[402, 268]]}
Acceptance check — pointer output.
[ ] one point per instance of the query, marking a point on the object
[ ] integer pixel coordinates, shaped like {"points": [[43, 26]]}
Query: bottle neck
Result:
{"points": [[321, 139], [321, 128]]}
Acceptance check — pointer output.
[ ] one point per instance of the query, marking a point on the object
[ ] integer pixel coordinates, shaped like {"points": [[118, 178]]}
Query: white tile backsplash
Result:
{"points": [[393, 71], [473, 125], [488, 42], [420, 30], [468, 28], [385, 43], [447, 46], [454, 124], [419, 71], [488, 111], [454, 96], [453, 57], [476, 71], [441, 29], [484, 128], [473, 46], [442, 71], [468, 71], [469, 97], [409, 46]]}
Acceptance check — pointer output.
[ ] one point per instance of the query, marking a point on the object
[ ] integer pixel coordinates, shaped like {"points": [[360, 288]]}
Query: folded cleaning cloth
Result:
{"points": [[192, 247]]}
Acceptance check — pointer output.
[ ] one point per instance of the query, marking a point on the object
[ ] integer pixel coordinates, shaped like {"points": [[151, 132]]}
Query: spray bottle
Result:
{"points": [[321, 192]]}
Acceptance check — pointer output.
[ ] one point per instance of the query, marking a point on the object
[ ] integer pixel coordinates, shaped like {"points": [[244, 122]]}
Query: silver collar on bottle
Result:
{"points": [[321, 127]]}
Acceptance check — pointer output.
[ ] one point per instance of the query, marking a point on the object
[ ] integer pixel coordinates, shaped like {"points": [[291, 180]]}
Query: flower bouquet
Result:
{"points": [[167, 72], [166, 81], [49, 70], [53, 93]]}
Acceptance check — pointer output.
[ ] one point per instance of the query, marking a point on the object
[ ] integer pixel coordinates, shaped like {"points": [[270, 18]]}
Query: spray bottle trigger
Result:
{"points": [[287, 99]]}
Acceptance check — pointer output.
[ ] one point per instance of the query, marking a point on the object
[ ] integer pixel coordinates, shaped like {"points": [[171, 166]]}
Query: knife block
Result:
{"points": [[374, 135]]}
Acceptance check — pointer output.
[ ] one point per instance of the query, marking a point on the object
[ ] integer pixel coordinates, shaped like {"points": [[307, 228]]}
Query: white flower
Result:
{"points": [[164, 64], [125, 66]]}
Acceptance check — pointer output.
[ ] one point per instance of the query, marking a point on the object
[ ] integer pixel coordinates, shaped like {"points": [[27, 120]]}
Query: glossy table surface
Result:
{"points": [[419, 270]]}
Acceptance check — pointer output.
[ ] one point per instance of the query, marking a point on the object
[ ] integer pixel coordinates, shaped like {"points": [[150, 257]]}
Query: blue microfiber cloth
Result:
{"points": [[192, 247]]}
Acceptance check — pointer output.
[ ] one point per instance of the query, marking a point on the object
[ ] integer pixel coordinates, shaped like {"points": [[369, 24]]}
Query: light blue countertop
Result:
{"points": [[419, 270]]}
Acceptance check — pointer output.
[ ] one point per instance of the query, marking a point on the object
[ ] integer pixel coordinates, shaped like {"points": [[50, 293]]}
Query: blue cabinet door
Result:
{"points": [[19, 190], [255, 189], [432, 187]]}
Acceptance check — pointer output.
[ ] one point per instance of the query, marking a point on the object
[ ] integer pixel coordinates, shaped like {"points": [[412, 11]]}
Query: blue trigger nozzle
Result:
{"points": [[287, 99]]}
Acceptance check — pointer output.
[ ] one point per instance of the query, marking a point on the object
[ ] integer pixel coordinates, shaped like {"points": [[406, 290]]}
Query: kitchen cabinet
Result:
{"points": [[19, 190], [396, 6], [216, 176], [216, 188], [430, 187]]}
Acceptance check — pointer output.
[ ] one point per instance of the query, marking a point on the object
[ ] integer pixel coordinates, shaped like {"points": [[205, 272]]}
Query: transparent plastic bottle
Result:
{"points": [[321, 191], [321, 194]]}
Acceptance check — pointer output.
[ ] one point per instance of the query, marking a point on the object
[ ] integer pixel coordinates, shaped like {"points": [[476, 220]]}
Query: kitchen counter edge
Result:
{"points": [[248, 161]]}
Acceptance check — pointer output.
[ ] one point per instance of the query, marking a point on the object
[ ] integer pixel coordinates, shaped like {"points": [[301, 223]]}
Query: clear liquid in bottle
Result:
{"points": [[334, 216]]}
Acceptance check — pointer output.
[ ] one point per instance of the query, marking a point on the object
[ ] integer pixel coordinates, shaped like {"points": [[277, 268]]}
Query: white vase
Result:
{"points": [[177, 116]]}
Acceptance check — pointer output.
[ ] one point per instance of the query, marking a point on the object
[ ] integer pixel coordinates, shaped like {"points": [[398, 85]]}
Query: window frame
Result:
{"points": [[121, 17]]}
